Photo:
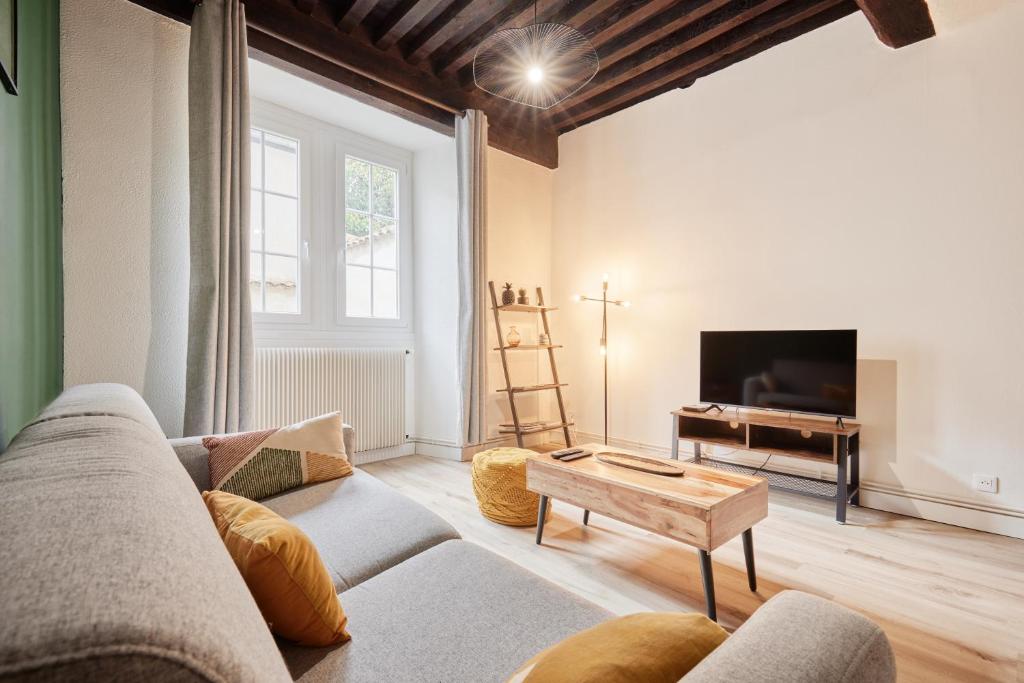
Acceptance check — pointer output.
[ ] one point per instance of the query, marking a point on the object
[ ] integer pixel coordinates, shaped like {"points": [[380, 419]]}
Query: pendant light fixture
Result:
{"points": [[538, 65]]}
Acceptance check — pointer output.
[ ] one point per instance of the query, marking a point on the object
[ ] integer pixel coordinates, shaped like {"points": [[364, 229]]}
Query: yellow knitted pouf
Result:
{"points": [[499, 482]]}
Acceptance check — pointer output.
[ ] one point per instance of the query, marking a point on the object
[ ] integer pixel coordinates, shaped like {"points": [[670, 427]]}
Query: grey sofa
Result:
{"points": [[112, 570]]}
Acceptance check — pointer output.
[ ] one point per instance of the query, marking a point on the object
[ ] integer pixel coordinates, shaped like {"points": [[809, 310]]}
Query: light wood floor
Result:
{"points": [[951, 600]]}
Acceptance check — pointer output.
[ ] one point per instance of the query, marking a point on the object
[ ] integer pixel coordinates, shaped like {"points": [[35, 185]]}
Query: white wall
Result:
{"points": [[828, 183], [124, 114], [435, 215], [519, 205]]}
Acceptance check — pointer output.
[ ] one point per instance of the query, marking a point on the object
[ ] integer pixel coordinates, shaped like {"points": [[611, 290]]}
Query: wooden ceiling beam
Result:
{"points": [[899, 23], [620, 18], [703, 30], [355, 14], [656, 28], [769, 29], [457, 18], [446, 58], [400, 20], [305, 6]]}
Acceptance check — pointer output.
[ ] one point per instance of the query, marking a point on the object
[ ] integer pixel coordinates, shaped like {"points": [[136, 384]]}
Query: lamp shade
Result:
{"points": [[537, 65]]}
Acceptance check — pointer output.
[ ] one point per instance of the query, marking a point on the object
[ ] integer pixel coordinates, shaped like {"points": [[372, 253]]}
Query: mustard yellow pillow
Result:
{"points": [[282, 569], [652, 647]]}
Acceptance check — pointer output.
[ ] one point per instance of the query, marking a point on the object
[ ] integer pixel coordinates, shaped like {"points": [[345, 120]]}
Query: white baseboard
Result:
{"points": [[451, 451], [363, 457], [935, 507]]}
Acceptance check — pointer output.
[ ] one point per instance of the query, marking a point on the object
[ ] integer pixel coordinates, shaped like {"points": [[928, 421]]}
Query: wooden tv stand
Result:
{"points": [[820, 440]]}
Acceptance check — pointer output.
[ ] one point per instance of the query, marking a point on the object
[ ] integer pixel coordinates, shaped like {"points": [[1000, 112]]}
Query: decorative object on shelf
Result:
{"points": [[544, 339], [508, 297], [523, 299], [520, 427], [9, 45], [538, 65], [513, 338], [604, 301], [638, 462]]}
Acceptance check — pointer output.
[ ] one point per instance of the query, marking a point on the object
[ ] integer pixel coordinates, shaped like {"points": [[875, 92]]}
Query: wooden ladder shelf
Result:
{"points": [[519, 429]]}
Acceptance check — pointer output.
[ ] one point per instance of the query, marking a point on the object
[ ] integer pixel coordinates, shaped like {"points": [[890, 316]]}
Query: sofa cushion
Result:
{"points": [[655, 647], [282, 569], [456, 612], [264, 463], [360, 525], [196, 458], [112, 568]]}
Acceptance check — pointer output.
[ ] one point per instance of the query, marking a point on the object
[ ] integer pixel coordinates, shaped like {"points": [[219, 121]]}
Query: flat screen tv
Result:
{"points": [[804, 371]]}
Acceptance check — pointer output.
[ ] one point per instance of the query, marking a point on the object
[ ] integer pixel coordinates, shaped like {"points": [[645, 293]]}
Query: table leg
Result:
{"points": [[855, 468], [748, 555], [841, 480], [542, 512], [586, 517], [709, 583]]}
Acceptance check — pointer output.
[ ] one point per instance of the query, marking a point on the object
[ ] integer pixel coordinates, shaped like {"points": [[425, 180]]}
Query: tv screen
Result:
{"points": [[806, 371]]}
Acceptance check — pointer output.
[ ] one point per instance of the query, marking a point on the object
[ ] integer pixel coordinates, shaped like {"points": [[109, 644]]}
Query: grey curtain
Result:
{"points": [[219, 376], [471, 152]]}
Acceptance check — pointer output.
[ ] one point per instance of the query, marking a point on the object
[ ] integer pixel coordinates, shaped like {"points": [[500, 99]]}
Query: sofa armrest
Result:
{"points": [[800, 638], [196, 459]]}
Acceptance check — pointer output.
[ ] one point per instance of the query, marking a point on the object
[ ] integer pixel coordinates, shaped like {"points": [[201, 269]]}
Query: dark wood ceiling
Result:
{"points": [[415, 57]]}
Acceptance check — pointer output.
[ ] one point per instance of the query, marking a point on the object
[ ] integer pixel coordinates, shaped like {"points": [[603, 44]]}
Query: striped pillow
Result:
{"points": [[259, 464]]}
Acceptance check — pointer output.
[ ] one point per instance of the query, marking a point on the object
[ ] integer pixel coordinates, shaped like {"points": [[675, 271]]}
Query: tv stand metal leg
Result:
{"points": [[855, 468], [675, 437], [841, 488], [696, 452]]}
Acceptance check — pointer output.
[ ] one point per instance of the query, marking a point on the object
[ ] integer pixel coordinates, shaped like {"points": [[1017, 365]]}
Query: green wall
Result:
{"points": [[31, 310]]}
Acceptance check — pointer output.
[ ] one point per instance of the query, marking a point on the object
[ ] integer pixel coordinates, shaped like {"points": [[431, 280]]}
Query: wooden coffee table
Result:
{"points": [[704, 508]]}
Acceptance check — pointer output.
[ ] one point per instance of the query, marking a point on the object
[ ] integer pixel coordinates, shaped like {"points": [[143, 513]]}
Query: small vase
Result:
{"points": [[512, 339], [508, 297], [523, 299]]}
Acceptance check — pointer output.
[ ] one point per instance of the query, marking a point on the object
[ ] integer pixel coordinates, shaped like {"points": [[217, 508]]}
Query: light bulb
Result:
{"points": [[535, 74], [626, 304], [577, 298], [605, 277], [604, 350]]}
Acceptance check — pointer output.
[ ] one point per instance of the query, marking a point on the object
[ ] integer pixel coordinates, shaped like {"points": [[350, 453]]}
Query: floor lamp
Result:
{"points": [[604, 301]]}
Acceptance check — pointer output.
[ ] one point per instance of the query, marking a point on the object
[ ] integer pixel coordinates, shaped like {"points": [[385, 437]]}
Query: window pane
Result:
{"points": [[385, 194], [256, 281], [385, 242], [357, 238], [256, 220], [357, 292], [385, 294], [256, 159], [357, 184], [282, 224], [282, 164], [282, 284]]}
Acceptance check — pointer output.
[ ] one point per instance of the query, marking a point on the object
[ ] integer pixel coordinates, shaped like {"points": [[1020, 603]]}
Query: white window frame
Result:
{"points": [[381, 155], [275, 125], [322, 322]]}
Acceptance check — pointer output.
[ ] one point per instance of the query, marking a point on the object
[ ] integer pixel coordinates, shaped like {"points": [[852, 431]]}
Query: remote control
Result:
{"points": [[560, 454], [576, 456]]}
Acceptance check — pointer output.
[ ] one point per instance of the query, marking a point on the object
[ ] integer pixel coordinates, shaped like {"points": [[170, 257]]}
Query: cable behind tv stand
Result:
{"points": [[819, 440]]}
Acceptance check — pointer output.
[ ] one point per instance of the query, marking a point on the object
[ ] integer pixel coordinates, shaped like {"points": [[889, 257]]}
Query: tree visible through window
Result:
{"points": [[274, 217], [371, 240]]}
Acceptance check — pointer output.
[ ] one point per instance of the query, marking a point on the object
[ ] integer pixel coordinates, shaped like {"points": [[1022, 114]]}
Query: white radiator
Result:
{"points": [[367, 386]]}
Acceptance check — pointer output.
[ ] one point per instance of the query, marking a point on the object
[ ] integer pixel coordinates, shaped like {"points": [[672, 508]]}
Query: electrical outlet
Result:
{"points": [[986, 482]]}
